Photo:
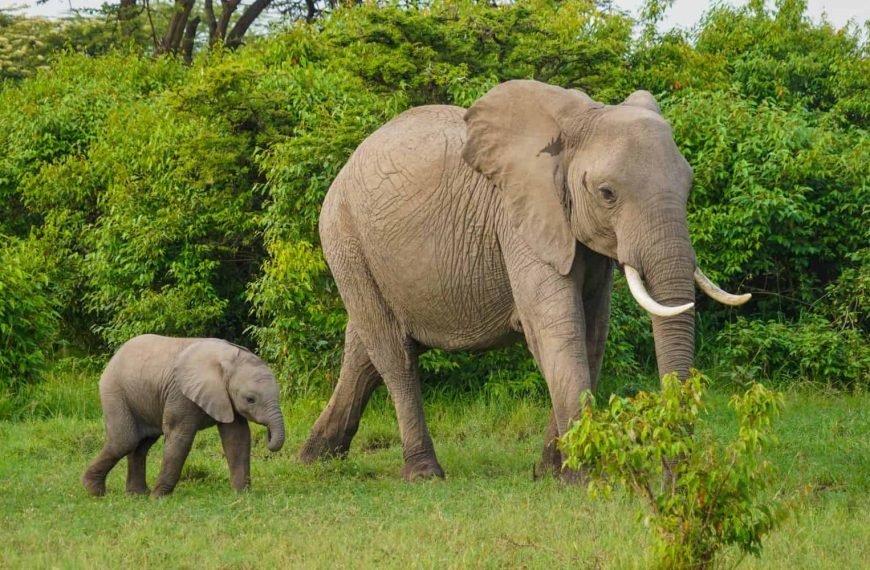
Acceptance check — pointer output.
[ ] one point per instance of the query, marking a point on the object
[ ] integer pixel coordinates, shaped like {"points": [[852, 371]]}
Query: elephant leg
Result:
{"points": [[550, 307], [236, 441], [596, 289], [338, 423], [392, 352], [177, 444], [122, 438], [399, 366], [136, 484], [551, 458]]}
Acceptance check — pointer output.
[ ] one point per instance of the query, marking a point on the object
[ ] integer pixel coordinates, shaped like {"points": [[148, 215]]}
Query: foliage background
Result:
{"points": [[139, 194]]}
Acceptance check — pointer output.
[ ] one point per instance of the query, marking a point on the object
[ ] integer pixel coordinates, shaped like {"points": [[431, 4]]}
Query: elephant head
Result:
{"points": [[610, 176], [222, 379]]}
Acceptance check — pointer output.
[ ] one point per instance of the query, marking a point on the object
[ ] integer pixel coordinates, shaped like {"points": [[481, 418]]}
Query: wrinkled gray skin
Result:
{"points": [[460, 230], [157, 385]]}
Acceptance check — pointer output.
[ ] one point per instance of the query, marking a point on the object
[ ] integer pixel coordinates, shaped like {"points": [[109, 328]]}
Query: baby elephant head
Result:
{"points": [[224, 379]]}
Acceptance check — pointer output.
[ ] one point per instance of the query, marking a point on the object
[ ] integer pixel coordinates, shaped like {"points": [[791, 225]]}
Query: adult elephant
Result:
{"points": [[461, 229]]}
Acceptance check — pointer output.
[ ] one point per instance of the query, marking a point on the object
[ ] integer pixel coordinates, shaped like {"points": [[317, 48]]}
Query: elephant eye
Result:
{"points": [[249, 399], [607, 194]]}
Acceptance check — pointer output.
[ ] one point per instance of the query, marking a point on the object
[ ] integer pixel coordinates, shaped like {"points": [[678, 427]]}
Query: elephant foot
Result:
{"points": [[95, 486], [137, 490], [574, 477], [422, 469], [318, 447], [161, 491], [551, 459], [551, 464]]}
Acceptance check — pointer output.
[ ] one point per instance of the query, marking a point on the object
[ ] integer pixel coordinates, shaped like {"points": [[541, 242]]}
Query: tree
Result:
{"points": [[228, 25]]}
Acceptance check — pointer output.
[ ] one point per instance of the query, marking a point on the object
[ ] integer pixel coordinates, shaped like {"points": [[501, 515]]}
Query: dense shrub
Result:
{"points": [[810, 348], [453, 52], [28, 45], [184, 199], [28, 315], [176, 242], [779, 198], [783, 56]]}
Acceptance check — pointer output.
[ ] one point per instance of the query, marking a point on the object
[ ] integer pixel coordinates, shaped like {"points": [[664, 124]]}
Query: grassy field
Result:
{"points": [[489, 513]]}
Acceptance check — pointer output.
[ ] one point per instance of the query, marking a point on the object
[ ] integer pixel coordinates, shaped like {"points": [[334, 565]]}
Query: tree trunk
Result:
{"points": [[126, 10], [175, 32], [211, 22], [189, 37], [311, 5], [228, 7], [234, 38]]}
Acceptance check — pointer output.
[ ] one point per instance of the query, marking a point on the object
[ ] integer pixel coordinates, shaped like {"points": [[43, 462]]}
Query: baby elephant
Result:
{"points": [[159, 385]]}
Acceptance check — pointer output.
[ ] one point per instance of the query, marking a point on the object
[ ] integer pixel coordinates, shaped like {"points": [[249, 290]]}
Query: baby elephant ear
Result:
{"points": [[201, 372], [643, 99]]}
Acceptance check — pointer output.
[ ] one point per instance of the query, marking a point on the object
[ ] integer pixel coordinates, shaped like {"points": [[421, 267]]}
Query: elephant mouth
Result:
{"points": [[645, 300]]}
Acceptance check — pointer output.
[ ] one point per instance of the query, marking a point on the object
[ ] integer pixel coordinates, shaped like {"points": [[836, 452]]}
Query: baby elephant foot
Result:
{"points": [[422, 469], [95, 486]]}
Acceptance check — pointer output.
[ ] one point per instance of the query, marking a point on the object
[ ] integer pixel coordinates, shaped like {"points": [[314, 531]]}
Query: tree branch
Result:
{"points": [[311, 6], [227, 9], [151, 23], [126, 10], [234, 38], [175, 32], [210, 21], [189, 37]]}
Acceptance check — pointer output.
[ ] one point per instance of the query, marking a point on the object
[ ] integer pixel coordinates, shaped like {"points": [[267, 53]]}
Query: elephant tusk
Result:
{"points": [[643, 299], [718, 294]]}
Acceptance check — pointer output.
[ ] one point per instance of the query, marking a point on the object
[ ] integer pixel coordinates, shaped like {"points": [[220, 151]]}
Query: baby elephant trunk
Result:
{"points": [[275, 431]]}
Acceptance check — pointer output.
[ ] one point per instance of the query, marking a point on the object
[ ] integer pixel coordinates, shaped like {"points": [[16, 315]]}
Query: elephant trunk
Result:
{"points": [[275, 427], [671, 283], [668, 266]]}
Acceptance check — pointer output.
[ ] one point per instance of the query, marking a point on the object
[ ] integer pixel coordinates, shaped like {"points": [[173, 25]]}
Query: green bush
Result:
{"points": [[848, 298], [29, 45], [49, 186], [176, 241], [28, 316], [299, 319], [701, 495], [184, 199], [778, 198], [808, 349]]}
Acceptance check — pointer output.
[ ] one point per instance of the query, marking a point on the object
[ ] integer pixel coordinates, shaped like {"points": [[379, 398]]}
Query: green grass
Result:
{"points": [[489, 513]]}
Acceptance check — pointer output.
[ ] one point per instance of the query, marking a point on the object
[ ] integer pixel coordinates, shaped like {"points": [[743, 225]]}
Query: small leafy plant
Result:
{"points": [[712, 494]]}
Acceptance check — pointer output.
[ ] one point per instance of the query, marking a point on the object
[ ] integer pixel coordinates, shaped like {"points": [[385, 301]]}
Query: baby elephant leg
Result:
{"points": [[94, 477], [136, 484], [177, 444], [236, 440], [121, 439]]}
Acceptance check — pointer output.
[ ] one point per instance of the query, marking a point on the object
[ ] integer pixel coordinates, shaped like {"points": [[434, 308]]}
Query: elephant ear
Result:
{"points": [[201, 372], [516, 139], [643, 99]]}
